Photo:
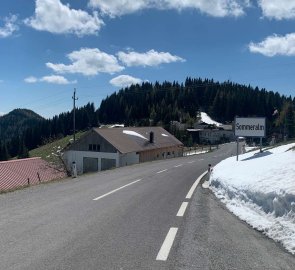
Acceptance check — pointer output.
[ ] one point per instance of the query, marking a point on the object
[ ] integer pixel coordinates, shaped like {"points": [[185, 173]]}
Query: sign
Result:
{"points": [[250, 127]]}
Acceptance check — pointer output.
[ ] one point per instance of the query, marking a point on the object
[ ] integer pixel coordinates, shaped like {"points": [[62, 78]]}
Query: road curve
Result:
{"points": [[135, 217]]}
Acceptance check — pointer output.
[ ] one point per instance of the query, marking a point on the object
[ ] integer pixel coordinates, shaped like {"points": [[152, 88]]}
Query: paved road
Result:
{"points": [[61, 226]]}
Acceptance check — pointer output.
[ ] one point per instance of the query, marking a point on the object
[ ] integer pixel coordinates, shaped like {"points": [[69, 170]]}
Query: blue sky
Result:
{"points": [[50, 47]]}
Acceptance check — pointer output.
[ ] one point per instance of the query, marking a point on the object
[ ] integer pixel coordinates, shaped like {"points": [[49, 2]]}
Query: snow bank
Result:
{"points": [[208, 120], [260, 189]]}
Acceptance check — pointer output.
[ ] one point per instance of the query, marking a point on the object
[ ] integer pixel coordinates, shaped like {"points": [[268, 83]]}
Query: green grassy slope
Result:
{"points": [[50, 152]]}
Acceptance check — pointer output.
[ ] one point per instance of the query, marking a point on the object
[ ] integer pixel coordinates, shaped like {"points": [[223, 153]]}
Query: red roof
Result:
{"points": [[20, 172]]}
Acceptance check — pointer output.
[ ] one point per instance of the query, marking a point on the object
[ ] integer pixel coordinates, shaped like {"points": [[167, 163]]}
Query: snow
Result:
{"points": [[164, 135], [260, 189], [196, 152], [133, 133], [208, 120]]}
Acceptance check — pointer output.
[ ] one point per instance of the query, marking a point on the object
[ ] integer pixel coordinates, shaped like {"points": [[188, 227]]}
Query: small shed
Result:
{"points": [[106, 148]]}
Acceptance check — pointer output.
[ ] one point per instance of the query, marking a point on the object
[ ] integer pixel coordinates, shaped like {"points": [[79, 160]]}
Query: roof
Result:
{"points": [[15, 173], [136, 139]]}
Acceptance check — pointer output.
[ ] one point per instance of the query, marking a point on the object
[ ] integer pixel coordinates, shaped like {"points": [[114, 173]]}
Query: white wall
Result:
{"points": [[70, 156], [129, 159]]}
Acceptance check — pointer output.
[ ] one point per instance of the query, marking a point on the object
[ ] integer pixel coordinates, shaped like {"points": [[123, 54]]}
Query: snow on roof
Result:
{"points": [[208, 120], [164, 135], [260, 190], [133, 133]]}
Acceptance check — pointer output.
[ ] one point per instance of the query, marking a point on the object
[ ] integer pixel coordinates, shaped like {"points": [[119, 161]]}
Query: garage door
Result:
{"points": [[107, 163], [90, 164]]}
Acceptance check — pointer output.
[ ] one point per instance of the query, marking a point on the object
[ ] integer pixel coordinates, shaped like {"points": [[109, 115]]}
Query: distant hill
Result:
{"points": [[16, 122]]}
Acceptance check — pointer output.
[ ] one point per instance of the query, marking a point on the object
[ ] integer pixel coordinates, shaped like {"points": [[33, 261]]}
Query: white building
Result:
{"points": [[106, 148]]}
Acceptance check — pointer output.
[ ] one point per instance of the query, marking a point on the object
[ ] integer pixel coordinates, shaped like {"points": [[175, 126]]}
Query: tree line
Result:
{"points": [[156, 104]]}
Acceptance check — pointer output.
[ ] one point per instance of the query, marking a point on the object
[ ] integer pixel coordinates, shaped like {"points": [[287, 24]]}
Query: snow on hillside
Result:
{"points": [[208, 120], [260, 189]]}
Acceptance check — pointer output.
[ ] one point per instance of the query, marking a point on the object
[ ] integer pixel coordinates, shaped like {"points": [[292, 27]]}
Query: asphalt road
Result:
{"points": [[120, 219]]}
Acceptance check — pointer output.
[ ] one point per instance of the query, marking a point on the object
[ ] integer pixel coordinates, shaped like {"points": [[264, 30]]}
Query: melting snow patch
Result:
{"points": [[207, 119], [164, 135], [260, 190], [133, 133]]}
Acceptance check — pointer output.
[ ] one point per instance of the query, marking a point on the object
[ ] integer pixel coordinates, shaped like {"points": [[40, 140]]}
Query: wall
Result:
{"points": [[129, 159], [161, 153], [77, 156], [93, 138], [214, 136]]}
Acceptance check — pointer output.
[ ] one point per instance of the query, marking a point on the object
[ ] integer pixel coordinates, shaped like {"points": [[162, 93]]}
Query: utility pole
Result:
{"points": [[74, 113]]}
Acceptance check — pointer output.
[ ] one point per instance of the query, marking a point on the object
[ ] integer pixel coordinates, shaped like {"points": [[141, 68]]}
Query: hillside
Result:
{"points": [[16, 122], [160, 103], [51, 151]]}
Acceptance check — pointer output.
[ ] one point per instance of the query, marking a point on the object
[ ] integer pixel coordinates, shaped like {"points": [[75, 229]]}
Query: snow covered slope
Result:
{"points": [[260, 189], [208, 120]]}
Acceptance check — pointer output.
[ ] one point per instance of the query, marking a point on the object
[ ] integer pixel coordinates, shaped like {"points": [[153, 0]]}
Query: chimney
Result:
{"points": [[151, 137]]}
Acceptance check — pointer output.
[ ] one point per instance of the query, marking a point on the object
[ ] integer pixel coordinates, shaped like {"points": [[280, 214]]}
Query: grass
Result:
{"points": [[51, 151]]}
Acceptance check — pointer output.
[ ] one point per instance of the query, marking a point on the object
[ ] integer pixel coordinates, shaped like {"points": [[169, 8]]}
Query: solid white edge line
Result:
{"points": [[194, 186], [167, 244], [182, 209], [162, 171], [115, 190]]}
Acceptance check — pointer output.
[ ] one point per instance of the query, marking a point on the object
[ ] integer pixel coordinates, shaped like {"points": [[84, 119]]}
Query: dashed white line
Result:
{"points": [[182, 209], [162, 171], [176, 166], [115, 190], [191, 161], [167, 244], [191, 191]]}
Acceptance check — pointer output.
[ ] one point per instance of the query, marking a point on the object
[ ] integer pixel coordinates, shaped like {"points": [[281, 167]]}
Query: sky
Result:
{"points": [[50, 47]]}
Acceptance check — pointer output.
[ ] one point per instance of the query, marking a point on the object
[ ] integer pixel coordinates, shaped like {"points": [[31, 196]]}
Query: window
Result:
{"points": [[94, 147]]}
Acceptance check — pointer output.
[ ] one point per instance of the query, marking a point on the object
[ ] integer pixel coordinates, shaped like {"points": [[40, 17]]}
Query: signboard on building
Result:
{"points": [[250, 127]]}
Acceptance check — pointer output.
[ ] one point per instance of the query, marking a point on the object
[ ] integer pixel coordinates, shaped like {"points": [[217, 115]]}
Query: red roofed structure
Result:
{"points": [[21, 172]]}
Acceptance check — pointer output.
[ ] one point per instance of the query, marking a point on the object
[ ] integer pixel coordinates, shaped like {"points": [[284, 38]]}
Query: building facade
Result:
{"points": [[105, 148]]}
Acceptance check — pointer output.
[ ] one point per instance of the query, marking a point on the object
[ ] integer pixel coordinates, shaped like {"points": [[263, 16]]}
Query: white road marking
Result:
{"points": [[176, 166], [115, 190], [182, 209], [191, 161], [167, 244], [201, 159], [194, 186], [162, 171]]}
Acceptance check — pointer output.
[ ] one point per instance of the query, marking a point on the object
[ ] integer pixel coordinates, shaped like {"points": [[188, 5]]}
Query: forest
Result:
{"points": [[152, 104]]}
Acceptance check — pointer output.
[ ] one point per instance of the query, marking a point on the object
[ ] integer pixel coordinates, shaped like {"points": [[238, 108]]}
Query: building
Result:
{"points": [[105, 148], [210, 134], [29, 171]]}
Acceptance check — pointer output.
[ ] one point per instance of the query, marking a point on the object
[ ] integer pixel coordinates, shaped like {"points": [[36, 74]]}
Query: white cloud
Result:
{"points": [[216, 8], [54, 17], [125, 81], [275, 45], [31, 79], [2, 113], [88, 62], [278, 9], [150, 58], [55, 79], [9, 27]]}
